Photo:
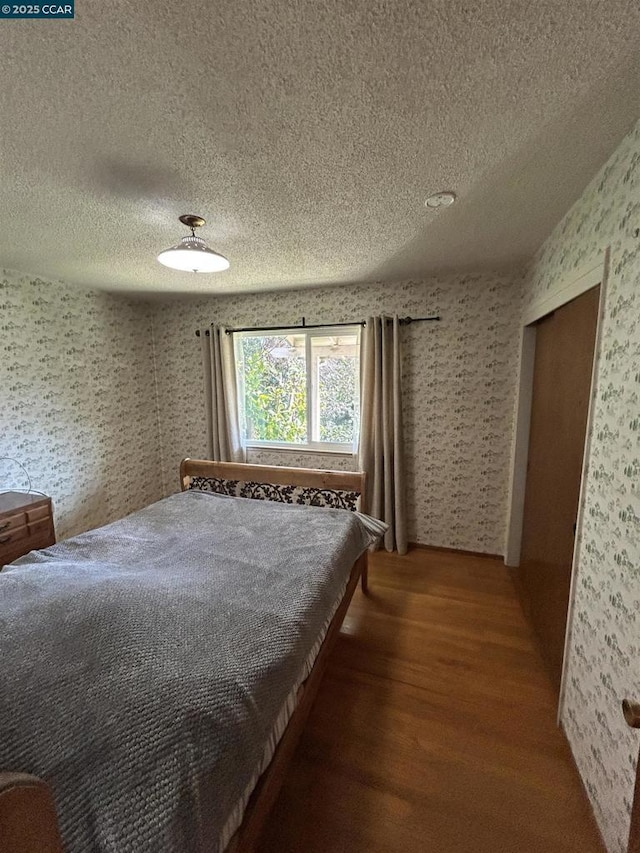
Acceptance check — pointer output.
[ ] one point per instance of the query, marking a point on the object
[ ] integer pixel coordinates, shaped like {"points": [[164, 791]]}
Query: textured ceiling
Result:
{"points": [[307, 133]]}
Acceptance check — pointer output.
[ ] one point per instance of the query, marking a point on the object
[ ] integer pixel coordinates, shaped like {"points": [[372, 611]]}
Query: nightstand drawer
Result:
{"points": [[10, 522], [13, 534], [22, 517], [18, 548], [26, 524], [40, 526], [38, 513], [33, 528]]}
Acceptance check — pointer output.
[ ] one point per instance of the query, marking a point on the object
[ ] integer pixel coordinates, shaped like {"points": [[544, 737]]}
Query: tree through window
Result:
{"points": [[299, 387]]}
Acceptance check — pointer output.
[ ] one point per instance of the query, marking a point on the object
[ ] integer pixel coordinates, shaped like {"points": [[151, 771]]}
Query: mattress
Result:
{"points": [[149, 667]]}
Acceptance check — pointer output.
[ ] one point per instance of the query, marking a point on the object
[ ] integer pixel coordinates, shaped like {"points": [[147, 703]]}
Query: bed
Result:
{"points": [[185, 645]]}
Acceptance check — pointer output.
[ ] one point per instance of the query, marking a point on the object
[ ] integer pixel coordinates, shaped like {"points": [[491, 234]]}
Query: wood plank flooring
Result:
{"points": [[434, 729]]}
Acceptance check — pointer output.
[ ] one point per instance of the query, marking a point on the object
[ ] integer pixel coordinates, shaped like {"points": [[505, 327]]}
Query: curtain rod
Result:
{"points": [[404, 321]]}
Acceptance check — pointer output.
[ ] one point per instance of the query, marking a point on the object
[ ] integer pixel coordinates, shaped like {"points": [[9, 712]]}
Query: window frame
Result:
{"points": [[310, 446]]}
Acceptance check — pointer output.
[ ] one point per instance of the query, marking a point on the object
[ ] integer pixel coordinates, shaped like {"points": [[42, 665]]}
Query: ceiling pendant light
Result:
{"points": [[192, 254]]}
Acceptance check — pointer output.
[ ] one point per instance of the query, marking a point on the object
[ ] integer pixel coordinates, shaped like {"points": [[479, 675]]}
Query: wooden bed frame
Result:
{"points": [[28, 822]]}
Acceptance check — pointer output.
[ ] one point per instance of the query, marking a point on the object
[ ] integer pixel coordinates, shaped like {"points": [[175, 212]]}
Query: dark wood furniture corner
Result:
{"points": [[26, 523], [631, 711]]}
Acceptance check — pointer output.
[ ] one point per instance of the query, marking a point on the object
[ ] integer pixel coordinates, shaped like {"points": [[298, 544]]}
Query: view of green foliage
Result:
{"points": [[275, 395], [337, 384]]}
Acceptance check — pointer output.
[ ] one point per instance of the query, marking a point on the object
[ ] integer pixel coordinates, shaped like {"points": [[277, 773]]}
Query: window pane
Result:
{"points": [[275, 395], [336, 369]]}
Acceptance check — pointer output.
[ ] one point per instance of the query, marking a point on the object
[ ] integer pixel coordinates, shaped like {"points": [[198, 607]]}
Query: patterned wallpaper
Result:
{"points": [[77, 400], [604, 651], [459, 379], [78, 408]]}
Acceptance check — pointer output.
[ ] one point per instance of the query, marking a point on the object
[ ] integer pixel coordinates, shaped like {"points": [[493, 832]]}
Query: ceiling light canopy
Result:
{"points": [[192, 254]]}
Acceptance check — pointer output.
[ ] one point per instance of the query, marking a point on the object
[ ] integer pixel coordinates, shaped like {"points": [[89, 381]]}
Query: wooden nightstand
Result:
{"points": [[26, 523]]}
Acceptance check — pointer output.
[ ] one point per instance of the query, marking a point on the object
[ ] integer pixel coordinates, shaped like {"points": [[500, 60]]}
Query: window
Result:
{"points": [[299, 388]]}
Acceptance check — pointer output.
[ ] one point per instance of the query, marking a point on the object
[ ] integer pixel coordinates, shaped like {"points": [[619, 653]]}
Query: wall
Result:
{"points": [[77, 400], [458, 407], [605, 640]]}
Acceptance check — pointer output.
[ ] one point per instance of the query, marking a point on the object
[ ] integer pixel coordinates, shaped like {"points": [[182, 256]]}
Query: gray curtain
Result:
{"points": [[221, 398], [380, 452]]}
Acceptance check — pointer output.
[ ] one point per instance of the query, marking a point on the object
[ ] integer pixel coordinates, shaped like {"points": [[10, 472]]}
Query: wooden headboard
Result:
{"points": [[338, 489]]}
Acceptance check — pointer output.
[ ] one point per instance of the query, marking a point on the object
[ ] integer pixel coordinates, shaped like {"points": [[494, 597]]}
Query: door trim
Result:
{"points": [[582, 279]]}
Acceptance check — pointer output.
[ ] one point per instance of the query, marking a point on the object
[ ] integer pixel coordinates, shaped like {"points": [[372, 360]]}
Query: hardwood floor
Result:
{"points": [[434, 729]]}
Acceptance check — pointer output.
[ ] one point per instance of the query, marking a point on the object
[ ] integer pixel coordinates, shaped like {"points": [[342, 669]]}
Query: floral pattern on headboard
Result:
{"points": [[335, 498]]}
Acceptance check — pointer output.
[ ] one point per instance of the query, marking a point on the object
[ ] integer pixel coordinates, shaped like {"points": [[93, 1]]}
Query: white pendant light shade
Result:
{"points": [[192, 254]]}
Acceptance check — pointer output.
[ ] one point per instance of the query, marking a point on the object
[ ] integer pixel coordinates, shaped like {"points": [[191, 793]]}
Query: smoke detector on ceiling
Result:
{"points": [[441, 199]]}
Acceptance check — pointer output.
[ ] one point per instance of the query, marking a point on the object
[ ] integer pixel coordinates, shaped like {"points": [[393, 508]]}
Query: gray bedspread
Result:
{"points": [[142, 665]]}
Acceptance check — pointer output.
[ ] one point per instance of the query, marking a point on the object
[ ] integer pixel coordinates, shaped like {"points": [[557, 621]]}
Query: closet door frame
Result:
{"points": [[583, 278]]}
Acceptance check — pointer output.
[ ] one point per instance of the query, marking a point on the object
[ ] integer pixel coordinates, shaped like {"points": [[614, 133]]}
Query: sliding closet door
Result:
{"points": [[565, 342]]}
